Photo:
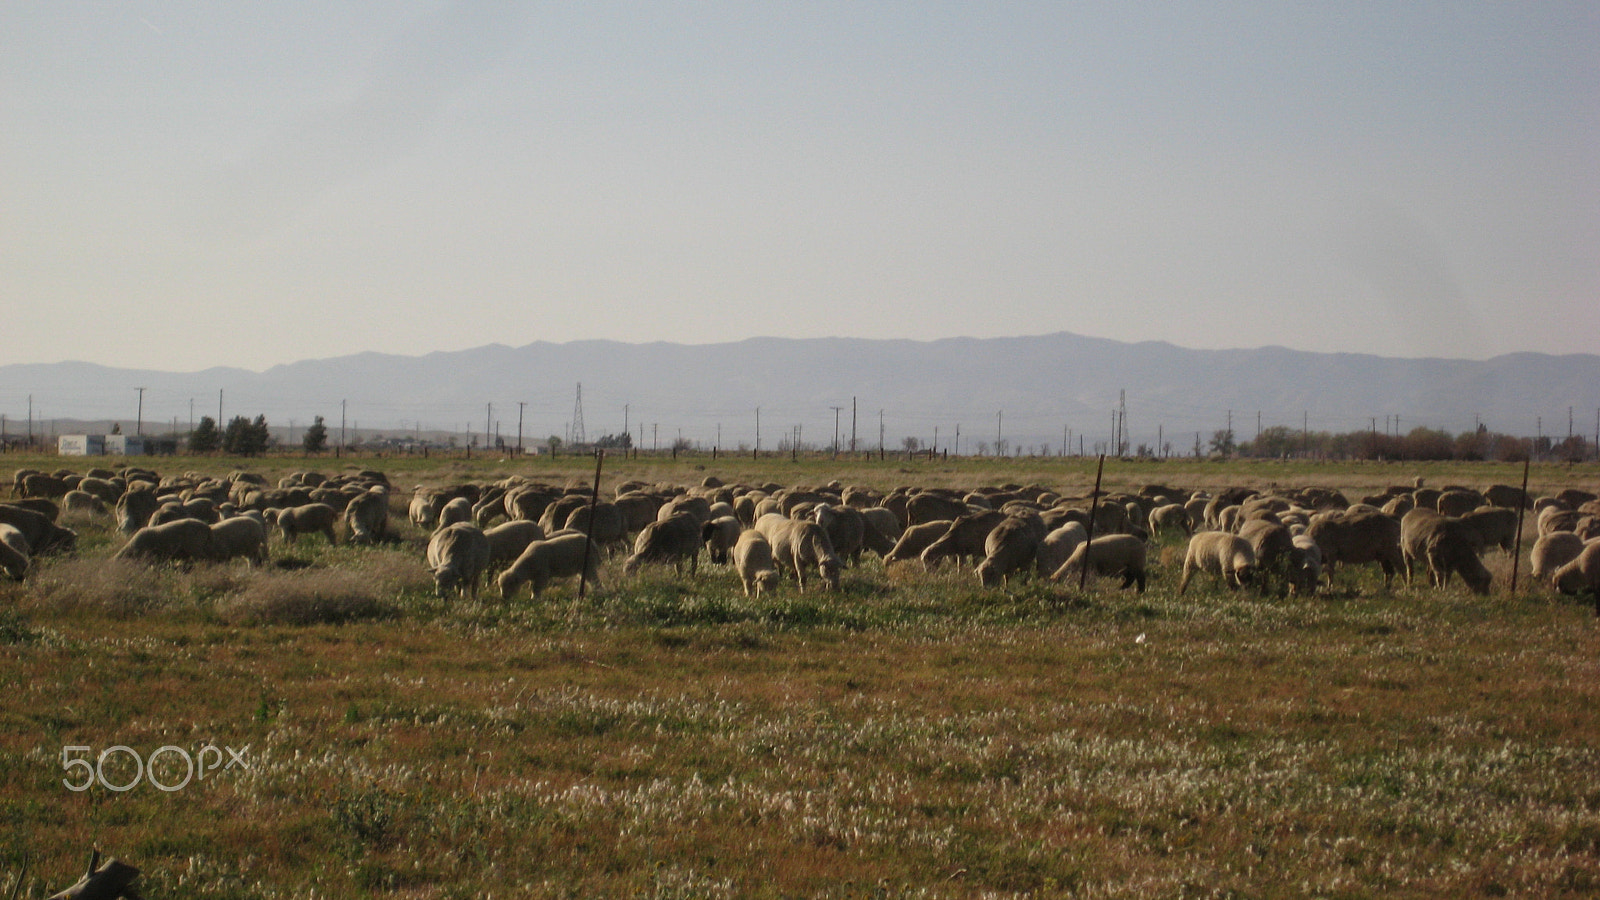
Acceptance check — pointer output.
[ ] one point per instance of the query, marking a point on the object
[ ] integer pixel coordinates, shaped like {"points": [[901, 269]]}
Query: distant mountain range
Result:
{"points": [[1026, 391]]}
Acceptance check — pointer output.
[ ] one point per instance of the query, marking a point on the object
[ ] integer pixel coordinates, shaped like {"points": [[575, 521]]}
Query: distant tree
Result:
{"points": [[910, 444], [623, 441], [205, 438], [1222, 442], [316, 437], [554, 443], [243, 437]]}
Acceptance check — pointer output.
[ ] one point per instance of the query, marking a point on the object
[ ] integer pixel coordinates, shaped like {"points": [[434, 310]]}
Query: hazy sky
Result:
{"points": [[193, 184]]}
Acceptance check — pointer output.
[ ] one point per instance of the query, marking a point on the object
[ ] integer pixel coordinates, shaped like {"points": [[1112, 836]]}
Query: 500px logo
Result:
{"points": [[126, 774]]}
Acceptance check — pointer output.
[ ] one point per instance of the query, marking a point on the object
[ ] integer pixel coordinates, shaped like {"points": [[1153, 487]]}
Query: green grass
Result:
{"points": [[910, 735]]}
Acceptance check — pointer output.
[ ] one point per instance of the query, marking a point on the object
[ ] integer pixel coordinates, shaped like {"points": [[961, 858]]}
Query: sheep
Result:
{"points": [[84, 502], [1554, 550], [1010, 547], [698, 507], [558, 556], [799, 544], [675, 539], [14, 552], [1305, 568], [1112, 554], [1228, 556], [1496, 526], [964, 539], [846, 527], [47, 486], [456, 510], [1170, 517], [1057, 545], [181, 541], [239, 536], [1555, 518], [719, 537], [366, 518], [458, 555], [752, 557], [1457, 503], [638, 509], [423, 510], [916, 539], [1504, 495], [1447, 545], [508, 539], [883, 520], [1581, 575], [310, 518], [42, 535], [930, 507], [609, 529], [1358, 535]]}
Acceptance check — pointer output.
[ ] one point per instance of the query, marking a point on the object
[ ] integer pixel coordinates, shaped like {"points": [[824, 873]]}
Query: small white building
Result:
{"points": [[81, 445], [124, 445]]}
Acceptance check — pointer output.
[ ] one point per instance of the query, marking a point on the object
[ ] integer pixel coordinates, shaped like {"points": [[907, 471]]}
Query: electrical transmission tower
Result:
{"points": [[578, 436]]}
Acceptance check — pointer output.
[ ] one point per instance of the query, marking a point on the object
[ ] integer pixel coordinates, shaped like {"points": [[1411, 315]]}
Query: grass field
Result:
{"points": [[910, 735]]}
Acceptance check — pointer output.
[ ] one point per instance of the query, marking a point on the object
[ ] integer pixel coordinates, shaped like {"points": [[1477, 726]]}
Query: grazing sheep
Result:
{"points": [[883, 520], [916, 539], [1170, 517], [181, 541], [638, 509], [719, 536], [801, 544], [609, 529], [425, 506], [1113, 554], [1496, 526], [846, 528], [1447, 545], [1273, 545], [508, 539], [1457, 503], [1011, 547], [456, 510], [310, 518], [752, 557], [698, 507], [1555, 518], [930, 507], [42, 535], [1357, 536], [1504, 495], [1582, 574], [674, 540], [458, 554], [964, 539], [239, 536], [48, 486], [366, 518], [84, 502], [14, 552], [1228, 556], [1057, 546], [134, 509], [1554, 550], [1305, 567], [558, 556]]}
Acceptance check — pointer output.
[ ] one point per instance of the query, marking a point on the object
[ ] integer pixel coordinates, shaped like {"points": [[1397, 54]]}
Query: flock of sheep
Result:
{"points": [[525, 533]]}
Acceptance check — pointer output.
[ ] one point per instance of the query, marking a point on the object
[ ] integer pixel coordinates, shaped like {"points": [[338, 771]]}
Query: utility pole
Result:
{"points": [[836, 411], [341, 426], [520, 405], [880, 433], [219, 407], [999, 417], [138, 428], [958, 439], [853, 425], [758, 429], [191, 416]]}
